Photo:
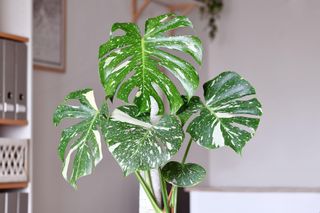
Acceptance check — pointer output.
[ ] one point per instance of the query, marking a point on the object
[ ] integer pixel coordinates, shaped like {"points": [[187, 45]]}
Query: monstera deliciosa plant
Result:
{"points": [[132, 68]]}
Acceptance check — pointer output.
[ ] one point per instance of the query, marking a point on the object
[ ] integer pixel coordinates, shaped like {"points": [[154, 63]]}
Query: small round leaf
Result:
{"points": [[183, 175]]}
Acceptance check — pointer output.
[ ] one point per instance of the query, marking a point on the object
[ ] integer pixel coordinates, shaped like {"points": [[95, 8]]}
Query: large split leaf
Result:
{"points": [[229, 116], [183, 175], [143, 55], [137, 144], [83, 138]]}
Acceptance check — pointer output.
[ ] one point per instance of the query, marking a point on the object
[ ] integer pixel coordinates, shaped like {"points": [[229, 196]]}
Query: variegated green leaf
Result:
{"points": [[137, 144], [82, 138], [143, 56], [230, 115], [183, 175]]}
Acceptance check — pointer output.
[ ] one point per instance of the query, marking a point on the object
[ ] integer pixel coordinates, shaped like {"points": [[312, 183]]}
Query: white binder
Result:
{"points": [[20, 81], [9, 80], [1, 77]]}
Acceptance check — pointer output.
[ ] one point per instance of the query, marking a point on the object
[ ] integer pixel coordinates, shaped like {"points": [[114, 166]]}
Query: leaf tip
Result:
{"points": [[55, 120], [239, 151], [126, 173], [74, 185]]}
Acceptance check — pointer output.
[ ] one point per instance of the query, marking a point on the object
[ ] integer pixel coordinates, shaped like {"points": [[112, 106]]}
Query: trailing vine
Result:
{"points": [[212, 9]]}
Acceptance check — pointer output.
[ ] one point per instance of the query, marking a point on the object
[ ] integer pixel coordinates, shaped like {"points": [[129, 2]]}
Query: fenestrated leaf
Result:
{"points": [[83, 138], [230, 115], [183, 175], [137, 144], [143, 55]]}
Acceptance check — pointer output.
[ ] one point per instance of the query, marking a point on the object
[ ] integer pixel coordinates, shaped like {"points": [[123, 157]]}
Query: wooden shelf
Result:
{"points": [[182, 6], [13, 122], [19, 185], [14, 37]]}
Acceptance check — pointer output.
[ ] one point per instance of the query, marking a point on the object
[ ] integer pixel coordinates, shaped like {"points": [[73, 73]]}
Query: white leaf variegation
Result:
{"points": [[137, 144], [83, 138], [229, 116], [143, 55]]}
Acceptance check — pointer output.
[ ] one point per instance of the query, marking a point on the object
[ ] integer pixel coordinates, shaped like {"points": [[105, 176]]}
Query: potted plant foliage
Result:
{"points": [[133, 64]]}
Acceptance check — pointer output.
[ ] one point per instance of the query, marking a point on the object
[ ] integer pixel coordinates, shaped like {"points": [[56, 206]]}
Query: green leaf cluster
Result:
{"points": [[135, 64]]}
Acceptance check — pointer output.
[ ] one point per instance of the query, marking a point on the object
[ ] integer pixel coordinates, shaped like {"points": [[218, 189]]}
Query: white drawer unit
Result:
{"points": [[253, 202]]}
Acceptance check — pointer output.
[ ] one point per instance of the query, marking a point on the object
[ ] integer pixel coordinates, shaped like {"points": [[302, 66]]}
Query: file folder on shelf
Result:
{"points": [[12, 202], [1, 77], [23, 203], [20, 81], [2, 202], [9, 80]]}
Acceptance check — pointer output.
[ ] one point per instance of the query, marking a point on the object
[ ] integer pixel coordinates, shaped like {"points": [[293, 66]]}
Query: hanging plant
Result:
{"points": [[211, 9]]}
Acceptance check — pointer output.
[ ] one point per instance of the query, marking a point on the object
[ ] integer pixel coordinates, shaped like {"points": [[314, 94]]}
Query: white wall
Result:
{"points": [[275, 44], [89, 23]]}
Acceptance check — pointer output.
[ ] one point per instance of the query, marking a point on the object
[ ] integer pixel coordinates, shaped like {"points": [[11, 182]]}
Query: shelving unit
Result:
{"points": [[182, 6], [16, 25]]}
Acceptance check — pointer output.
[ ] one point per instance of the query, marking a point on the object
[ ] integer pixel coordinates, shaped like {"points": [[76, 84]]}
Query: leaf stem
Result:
{"points": [[148, 192], [148, 175], [173, 195], [187, 151], [174, 198], [164, 193]]}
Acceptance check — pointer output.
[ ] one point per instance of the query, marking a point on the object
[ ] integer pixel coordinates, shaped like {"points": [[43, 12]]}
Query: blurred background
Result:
{"points": [[274, 44]]}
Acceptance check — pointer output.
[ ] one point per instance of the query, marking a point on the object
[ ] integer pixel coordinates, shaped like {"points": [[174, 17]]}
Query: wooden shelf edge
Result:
{"points": [[174, 4], [18, 185], [184, 7], [14, 37], [13, 122]]}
